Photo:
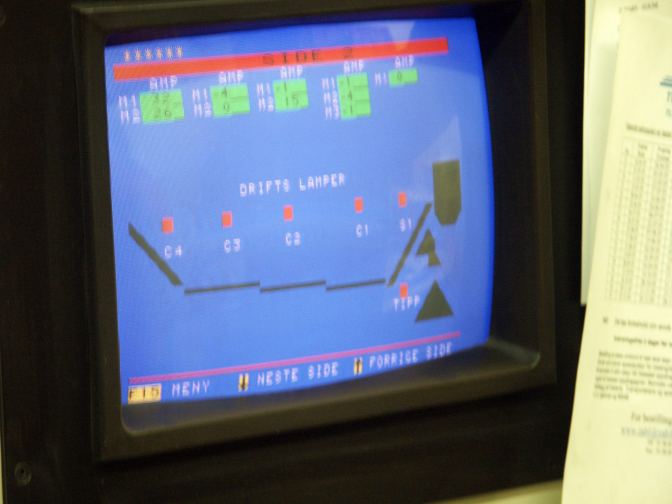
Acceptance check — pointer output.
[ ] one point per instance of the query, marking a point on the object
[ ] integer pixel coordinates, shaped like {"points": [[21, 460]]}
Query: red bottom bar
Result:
{"points": [[289, 362]]}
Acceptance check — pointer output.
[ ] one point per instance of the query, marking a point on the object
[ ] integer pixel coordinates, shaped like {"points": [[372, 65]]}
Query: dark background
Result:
{"points": [[430, 454]]}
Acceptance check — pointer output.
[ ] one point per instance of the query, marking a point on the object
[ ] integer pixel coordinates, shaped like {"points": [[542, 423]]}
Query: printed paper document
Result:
{"points": [[620, 447], [603, 18]]}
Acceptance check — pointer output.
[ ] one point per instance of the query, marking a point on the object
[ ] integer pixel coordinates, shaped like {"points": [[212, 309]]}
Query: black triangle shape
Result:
{"points": [[435, 305], [428, 247]]}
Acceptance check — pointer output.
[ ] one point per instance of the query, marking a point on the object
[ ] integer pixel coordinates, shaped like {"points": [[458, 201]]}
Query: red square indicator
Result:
{"points": [[288, 213], [401, 198], [359, 204], [403, 290], [167, 225], [227, 219]]}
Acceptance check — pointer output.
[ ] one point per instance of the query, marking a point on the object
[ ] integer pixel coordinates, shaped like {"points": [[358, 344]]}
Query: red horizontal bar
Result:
{"points": [[186, 375], [195, 66]]}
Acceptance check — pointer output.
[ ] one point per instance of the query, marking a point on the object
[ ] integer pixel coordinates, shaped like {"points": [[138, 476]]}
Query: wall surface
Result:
{"points": [[543, 493]]}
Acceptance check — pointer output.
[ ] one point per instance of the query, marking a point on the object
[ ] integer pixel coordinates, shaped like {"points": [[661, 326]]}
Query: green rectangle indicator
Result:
{"points": [[230, 100], [353, 95], [162, 106], [290, 94], [401, 77]]}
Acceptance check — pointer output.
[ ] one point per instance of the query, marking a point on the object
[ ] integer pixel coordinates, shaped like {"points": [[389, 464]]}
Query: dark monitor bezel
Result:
{"points": [[521, 350]]}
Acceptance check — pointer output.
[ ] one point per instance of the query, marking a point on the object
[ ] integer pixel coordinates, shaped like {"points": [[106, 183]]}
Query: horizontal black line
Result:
{"points": [[275, 288], [216, 288], [354, 285], [302, 285]]}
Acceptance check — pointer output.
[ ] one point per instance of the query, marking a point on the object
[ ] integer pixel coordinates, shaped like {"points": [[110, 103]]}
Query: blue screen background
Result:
{"points": [[201, 344]]}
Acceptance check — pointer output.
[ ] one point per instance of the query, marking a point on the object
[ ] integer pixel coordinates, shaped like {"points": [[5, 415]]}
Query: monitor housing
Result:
{"points": [[520, 352]]}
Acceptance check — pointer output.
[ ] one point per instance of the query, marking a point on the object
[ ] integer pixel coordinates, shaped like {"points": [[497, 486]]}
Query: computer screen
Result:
{"points": [[297, 206]]}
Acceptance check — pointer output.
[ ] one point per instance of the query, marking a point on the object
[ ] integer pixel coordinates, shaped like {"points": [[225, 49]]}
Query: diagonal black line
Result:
{"points": [[302, 285], [354, 285], [409, 245], [218, 288], [153, 255]]}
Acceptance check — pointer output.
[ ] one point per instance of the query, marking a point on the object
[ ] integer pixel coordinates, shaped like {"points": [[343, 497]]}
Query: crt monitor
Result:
{"points": [[299, 218], [299, 206]]}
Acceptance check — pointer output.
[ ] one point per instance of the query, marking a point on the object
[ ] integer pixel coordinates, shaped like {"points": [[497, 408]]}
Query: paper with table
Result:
{"points": [[603, 19], [620, 448]]}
